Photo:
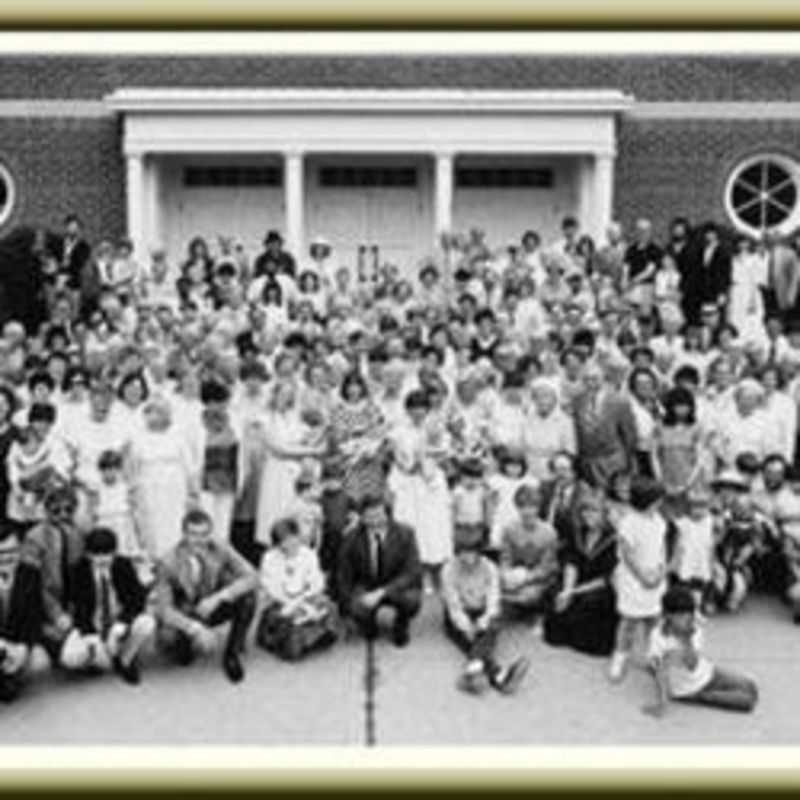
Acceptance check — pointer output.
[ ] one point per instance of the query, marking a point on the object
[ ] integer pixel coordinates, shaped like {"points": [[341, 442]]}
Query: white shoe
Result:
{"points": [[616, 670]]}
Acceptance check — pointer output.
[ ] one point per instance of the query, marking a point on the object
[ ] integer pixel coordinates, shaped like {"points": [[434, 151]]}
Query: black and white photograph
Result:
{"points": [[399, 389]]}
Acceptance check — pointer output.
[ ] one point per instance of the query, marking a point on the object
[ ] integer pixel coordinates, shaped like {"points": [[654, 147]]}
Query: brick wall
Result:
{"points": [[62, 165], [666, 167], [648, 78]]}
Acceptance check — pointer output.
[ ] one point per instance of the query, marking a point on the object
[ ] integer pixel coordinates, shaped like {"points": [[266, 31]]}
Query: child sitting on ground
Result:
{"points": [[471, 594], [682, 672]]}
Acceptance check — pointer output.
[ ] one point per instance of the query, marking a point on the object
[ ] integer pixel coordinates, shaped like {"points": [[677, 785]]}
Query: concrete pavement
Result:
{"points": [[566, 698]]}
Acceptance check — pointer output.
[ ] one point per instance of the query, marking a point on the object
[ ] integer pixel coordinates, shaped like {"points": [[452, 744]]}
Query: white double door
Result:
{"points": [[395, 220]]}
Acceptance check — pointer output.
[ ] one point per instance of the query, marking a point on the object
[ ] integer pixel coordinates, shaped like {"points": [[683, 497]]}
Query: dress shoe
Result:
{"points": [[232, 666], [128, 672]]}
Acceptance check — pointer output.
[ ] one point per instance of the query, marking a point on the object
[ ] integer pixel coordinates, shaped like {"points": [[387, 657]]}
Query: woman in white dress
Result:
{"points": [[748, 275], [163, 478], [419, 487], [288, 441], [781, 412]]}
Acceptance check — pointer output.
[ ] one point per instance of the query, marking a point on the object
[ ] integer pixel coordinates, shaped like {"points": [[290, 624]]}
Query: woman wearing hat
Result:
{"points": [[583, 615]]}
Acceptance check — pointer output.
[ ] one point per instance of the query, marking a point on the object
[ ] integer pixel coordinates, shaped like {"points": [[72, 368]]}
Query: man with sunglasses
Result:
{"points": [[54, 547]]}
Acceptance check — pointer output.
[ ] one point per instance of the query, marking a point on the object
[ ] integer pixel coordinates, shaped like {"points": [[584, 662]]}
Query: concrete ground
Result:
{"points": [[566, 698]]}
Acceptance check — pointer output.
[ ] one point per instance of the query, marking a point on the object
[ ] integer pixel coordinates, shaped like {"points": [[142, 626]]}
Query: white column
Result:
{"points": [[134, 186], [152, 221], [443, 205], [603, 193], [293, 196], [586, 195]]}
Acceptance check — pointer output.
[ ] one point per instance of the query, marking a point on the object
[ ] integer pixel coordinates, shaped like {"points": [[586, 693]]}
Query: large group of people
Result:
{"points": [[599, 439]]}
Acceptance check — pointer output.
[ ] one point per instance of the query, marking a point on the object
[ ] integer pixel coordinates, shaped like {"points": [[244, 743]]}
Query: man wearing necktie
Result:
{"points": [[20, 615], [202, 583], [109, 608], [53, 547], [379, 567]]}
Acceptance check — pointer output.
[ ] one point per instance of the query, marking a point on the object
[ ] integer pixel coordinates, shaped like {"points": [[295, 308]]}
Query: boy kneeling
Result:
{"points": [[471, 594], [682, 672], [108, 603]]}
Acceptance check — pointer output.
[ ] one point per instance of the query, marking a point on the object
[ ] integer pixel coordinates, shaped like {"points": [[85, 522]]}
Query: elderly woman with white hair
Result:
{"points": [[163, 477], [549, 430], [742, 427]]}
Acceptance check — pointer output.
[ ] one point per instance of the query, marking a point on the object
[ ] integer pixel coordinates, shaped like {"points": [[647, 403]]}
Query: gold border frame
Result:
{"points": [[461, 15]]}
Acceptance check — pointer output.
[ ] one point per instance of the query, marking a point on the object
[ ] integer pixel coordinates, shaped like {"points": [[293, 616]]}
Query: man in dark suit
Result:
{"points": [[708, 275], [53, 547], [560, 494], [21, 615], [108, 603], [605, 429], [203, 582], [379, 567], [73, 251], [274, 260]]}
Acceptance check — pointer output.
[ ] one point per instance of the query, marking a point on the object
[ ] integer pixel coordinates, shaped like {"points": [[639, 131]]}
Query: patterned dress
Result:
{"points": [[357, 433]]}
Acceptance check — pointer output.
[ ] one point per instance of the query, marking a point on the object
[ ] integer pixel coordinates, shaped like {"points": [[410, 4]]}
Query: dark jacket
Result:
{"points": [[22, 622], [78, 258], [400, 567], [130, 594]]}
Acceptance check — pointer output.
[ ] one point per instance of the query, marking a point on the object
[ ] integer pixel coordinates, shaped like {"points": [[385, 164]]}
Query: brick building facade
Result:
{"points": [[690, 122]]}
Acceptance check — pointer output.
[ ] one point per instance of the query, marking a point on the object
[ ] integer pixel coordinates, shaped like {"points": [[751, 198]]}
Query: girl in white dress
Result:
{"points": [[163, 477], [641, 571], [419, 486], [288, 441], [748, 275]]}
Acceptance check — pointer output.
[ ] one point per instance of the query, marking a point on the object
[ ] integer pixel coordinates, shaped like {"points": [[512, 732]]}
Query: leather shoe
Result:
{"points": [[232, 666], [128, 672]]}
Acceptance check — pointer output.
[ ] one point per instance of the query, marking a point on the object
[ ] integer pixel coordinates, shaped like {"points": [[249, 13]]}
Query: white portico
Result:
{"points": [[391, 168]]}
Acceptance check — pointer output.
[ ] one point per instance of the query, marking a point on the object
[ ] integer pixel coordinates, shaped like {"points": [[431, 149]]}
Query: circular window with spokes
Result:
{"points": [[763, 194], [7, 194]]}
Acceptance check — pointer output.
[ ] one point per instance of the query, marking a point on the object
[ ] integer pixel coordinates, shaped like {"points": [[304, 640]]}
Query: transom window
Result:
{"points": [[763, 193], [7, 194], [226, 175], [504, 178], [360, 177]]}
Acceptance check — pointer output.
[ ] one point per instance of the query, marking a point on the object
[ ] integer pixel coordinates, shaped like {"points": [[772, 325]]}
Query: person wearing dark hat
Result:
{"points": [[682, 671], [379, 567], [472, 608], [53, 547], [108, 603], [21, 614], [274, 260], [203, 582]]}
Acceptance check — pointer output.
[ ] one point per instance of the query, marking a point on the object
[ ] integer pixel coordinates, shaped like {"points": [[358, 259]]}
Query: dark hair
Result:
{"points": [[644, 492], [100, 542], [678, 396], [371, 500], [214, 391], [353, 378], [781, 380], [109, 459], [748, 463], [53, 333], [133, 377], [583, 337], [42, 412], [39, 378], [283, 529], [196, 516], [569, 222], [687, 373], [471, 468], [484, 313], [774, 458], [514, 380], [417, 399], [678, 600], [272, 286], [430, 349]]}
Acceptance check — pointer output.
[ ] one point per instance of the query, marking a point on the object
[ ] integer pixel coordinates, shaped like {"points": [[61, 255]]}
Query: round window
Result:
{"points": [[763, 193], [7, 194]]}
